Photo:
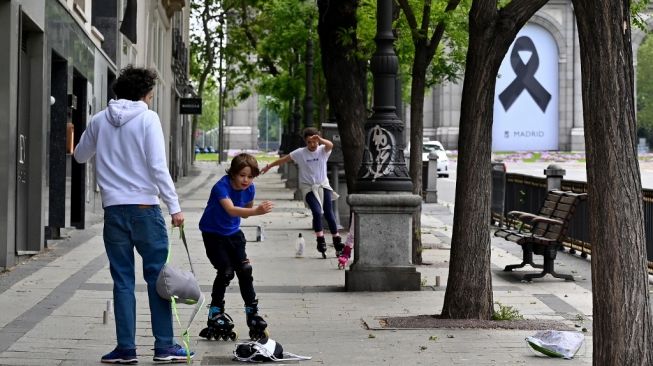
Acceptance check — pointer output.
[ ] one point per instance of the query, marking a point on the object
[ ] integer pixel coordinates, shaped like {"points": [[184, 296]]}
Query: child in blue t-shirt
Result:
{"points": [[232, 197]]}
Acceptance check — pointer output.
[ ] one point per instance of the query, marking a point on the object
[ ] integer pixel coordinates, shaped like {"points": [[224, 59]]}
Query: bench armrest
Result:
{"points": [[547, 220], [521, 215]]}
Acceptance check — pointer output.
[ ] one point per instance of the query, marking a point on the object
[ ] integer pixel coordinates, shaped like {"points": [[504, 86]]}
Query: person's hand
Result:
{"points": [[265, 169], [264, 207], [177, 219], [315, 138]]}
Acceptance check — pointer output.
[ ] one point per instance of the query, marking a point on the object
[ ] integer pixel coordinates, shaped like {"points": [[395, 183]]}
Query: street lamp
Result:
{"points": [[383, 205], [383, 167]]}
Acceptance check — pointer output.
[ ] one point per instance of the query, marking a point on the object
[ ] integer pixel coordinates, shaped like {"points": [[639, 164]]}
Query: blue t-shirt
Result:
{"points": [[215, 219]]}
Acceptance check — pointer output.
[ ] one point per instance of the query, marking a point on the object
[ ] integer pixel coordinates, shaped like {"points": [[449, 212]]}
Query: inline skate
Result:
{"points": [[344, 256], [321, 246], [338, 245], [257, 325], [219, 325]]}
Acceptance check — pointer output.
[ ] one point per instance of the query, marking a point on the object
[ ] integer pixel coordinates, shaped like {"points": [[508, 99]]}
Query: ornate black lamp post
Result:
{"points": [[383, 167], [383, 205]]}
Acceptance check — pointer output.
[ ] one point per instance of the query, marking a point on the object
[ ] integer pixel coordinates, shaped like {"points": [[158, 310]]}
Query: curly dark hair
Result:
{"points": [[134, 83], [310, 131], [241, 161]]}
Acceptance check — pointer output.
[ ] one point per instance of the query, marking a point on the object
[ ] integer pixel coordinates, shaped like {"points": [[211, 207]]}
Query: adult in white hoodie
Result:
{"points": [[127, 141]]}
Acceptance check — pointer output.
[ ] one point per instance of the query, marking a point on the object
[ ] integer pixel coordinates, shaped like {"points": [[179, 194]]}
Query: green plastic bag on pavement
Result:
{"points": [[556, 343]]}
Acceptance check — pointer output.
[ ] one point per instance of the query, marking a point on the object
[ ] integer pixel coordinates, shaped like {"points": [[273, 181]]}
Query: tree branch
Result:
{"points": [[410, 17], [426, 14], [438, 32], [265, 60]]}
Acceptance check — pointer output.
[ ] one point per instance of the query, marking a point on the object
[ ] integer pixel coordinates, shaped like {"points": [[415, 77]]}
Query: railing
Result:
{"points": [[526, 193]]}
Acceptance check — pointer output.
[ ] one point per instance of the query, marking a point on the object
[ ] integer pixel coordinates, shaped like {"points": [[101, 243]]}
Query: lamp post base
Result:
{"points": [[383, 279], [382, 243]]}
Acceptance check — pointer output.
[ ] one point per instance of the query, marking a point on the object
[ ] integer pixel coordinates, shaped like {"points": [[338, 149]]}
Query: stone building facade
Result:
{"points": [[554, 32], [58, 63]]}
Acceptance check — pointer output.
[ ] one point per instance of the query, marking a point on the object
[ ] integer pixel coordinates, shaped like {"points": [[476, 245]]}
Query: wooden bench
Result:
{"points": [[542, 234]]}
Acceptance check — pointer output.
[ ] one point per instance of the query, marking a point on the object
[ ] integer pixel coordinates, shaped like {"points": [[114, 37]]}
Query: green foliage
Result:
{"points": [[637, 9], [203, 43], [210, 110], [266, 52], [261, 158], [506, 312], [449, 60], [645, 89]]}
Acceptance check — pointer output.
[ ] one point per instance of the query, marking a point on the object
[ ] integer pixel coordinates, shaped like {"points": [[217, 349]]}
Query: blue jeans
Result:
{"points": [[316, 210], [142, 227]]}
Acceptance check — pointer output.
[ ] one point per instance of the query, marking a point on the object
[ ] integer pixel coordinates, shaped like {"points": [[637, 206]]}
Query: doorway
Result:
{"points": [[78, 171], [56, 152]]}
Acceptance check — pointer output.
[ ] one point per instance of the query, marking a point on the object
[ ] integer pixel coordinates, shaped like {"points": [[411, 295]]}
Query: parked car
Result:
{"points": [[434, 146]]}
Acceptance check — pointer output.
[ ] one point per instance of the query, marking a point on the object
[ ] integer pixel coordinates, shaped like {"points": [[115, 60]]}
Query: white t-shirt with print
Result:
{"points": [[311, 164]]}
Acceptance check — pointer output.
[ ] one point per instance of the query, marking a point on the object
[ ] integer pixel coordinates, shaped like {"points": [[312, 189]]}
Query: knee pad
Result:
{"points": [[226, 275], [245, 271]]}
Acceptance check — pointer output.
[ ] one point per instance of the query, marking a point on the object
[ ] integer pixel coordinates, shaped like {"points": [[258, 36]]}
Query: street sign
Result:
{"points": [[190, 106]]}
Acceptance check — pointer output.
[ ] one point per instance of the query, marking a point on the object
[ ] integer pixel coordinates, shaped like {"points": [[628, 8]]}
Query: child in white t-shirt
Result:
{"points": [[314, 184]]}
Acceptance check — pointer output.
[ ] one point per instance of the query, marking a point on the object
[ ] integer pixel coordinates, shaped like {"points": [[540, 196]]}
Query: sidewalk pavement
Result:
{"points": [[53, 304]]}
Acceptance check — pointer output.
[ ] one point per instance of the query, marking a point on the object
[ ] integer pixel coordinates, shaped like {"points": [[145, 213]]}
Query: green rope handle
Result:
{"points": [[185, 337]]}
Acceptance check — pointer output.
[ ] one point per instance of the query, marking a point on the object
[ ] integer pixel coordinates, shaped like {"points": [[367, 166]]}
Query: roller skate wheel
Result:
{"points": [[233, 336]]}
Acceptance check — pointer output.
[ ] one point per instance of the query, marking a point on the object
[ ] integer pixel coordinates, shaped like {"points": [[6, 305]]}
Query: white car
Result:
{"points": [[433, 146]]}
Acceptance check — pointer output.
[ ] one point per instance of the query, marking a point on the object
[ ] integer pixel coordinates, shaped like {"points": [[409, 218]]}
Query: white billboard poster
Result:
{"points": [[526, 95]]}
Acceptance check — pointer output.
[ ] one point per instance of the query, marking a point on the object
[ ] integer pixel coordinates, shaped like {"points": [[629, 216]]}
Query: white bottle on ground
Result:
{"points": [[299, 246]]}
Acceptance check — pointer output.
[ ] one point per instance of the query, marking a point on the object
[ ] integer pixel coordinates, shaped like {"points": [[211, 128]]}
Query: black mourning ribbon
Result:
{"points": [[525, 77]]}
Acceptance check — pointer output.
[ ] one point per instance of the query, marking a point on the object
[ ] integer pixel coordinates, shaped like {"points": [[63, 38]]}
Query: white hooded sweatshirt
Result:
{"points": [[131, 166]]}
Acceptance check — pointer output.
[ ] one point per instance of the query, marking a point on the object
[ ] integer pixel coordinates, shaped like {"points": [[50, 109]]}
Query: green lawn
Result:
{"points": [[262, 158]]}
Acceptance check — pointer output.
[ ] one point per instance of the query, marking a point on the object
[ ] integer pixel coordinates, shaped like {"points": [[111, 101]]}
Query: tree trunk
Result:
{"points": [[621, 309], [345, 78], [469, 286], [420, 63]]}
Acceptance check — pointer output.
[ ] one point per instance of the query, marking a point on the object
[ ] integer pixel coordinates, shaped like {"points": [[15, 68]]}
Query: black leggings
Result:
{"points": [[316, 210], [228, 257]]}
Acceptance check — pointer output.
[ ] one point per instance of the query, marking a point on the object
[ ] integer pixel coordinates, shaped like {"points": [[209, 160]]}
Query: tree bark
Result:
{"points": [[418, 83], [621, 309], [345, 77], [469, 286]]}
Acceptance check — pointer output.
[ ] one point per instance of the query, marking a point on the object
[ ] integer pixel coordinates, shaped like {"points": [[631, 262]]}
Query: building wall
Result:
{"points": [[52, 48], [22, 133], [9, 15], [241, 125], [442, 107]]}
